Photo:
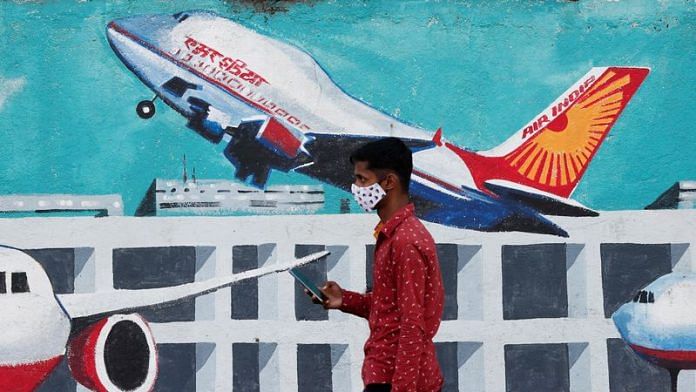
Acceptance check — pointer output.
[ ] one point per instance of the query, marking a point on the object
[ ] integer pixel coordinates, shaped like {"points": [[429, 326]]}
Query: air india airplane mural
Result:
{"points": [[109, 347], [658, 323], [277, 109]]}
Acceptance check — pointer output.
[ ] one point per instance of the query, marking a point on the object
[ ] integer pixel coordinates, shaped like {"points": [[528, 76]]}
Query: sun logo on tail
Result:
{"points": [[558, 154]]}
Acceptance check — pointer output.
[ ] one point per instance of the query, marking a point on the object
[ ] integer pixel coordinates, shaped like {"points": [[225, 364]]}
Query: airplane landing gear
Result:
{"points": [[674, 375], [146, 109]]}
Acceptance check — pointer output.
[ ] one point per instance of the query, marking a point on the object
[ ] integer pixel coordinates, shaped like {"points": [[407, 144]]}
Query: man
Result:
{"points": [[405, 305]]}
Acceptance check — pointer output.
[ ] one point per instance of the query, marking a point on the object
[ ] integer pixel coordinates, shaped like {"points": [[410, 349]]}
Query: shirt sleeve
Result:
{"points": [[410, 291], [356, 303]]}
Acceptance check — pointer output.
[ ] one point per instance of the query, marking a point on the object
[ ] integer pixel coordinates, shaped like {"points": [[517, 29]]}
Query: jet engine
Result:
{"points": [[114, 354], [257, 146]]}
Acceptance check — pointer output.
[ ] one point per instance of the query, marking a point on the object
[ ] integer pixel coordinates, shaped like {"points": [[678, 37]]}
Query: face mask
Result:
{"points": [[368, 196]]}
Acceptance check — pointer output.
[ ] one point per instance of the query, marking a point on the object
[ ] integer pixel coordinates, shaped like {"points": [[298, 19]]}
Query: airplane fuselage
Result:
{"points": [[278, 109], [240, 74], [98, 333], [34, 326], [659, 324], [281, 84]]}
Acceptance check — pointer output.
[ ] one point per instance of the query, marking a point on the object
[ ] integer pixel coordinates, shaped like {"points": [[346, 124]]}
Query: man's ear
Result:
{"points": [[392, 181]]}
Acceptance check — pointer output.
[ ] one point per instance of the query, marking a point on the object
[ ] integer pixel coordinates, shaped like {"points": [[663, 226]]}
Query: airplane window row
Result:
{"points": [[644, 297], [19, 283]]}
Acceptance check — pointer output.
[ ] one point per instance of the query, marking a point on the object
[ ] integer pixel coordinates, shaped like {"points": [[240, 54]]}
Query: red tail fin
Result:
{"points": [[552, 152]]}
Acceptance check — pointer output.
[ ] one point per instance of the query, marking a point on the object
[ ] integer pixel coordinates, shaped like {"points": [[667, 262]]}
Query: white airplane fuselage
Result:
{"points": [[108, 347], [34, 326], [222, 55], [222, 76], [284, 82], [659, 324], [242, 75]]}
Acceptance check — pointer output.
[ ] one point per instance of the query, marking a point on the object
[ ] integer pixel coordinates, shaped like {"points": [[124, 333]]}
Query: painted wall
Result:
{"points": [[478, 70], [525, 312]]}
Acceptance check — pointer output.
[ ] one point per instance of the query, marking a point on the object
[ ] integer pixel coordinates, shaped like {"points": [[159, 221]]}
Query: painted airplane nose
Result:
{"points": [[619, 317], [132, 27], [145, 27], [622, 319], [118, 39], [111, 32], [128, 36]]}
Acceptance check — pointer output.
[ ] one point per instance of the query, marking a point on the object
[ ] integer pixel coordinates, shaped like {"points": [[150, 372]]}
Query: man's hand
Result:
{"points": [[333, 293]]}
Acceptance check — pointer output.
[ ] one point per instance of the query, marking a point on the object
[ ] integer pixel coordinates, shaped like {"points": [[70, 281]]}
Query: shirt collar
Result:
{"points": [[390, 225]]}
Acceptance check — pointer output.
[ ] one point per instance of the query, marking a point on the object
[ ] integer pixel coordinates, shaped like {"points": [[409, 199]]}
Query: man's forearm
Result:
{"points": [[356, 303]]}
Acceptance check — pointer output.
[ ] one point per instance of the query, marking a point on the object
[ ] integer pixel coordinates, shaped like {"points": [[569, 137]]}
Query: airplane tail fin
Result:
{"points": [[552, 152]]}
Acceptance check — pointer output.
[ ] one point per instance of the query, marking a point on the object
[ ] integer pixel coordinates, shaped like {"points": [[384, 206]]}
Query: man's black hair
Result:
{"points": [[387, 154]]}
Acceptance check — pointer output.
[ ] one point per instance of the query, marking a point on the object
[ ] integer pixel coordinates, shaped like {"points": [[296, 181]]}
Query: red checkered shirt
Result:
{"points": [[404, 307]]}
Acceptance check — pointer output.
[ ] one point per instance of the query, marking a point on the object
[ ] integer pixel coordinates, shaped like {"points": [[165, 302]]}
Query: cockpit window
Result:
{"points": [[180, 16], [3, 288], [19, 282], [644, 297]]}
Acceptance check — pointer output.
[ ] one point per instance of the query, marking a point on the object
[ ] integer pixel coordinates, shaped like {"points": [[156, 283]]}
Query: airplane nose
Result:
{"points": [[622, 318], [125, 35], [117, 37], [146, 27], [143, 30], [136, 26], [111, 31]]}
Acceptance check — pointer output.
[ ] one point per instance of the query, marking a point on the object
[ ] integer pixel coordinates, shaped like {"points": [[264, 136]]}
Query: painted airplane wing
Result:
{"points": [[471, 208], [330, 155], [544, 202], [85, 305]]}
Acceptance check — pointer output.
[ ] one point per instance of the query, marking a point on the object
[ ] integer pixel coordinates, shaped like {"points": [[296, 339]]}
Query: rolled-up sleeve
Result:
{"points": [[356, 303], [410, 291]]}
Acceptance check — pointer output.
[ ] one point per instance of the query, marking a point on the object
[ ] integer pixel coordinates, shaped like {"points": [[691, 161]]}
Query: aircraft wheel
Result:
{"points": [[145, 109]]}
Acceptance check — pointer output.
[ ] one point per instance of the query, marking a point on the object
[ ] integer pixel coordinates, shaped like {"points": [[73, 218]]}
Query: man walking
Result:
{"points": [[405, 305]]}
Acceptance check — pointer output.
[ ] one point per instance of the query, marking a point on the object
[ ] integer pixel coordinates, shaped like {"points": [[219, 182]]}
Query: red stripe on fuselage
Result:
{"points": [[26, 377], [671, 359]]}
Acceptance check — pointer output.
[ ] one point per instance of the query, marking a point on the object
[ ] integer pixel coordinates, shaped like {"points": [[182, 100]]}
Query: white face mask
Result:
{"points": [[368, 196]]}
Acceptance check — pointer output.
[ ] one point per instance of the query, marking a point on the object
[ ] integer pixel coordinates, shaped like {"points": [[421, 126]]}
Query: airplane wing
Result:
{"points": [[85, 305], [544, 202], [330, 153]]}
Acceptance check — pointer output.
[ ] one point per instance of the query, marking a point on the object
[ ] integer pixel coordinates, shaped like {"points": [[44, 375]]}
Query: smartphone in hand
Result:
{"points": [[308, 284]]}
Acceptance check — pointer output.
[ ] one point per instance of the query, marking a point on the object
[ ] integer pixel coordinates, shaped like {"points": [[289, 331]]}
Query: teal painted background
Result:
{"points": [[480, 70]]}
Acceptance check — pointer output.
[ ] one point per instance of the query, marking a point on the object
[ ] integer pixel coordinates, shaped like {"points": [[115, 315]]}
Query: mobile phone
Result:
{"points": [[308, 284]]}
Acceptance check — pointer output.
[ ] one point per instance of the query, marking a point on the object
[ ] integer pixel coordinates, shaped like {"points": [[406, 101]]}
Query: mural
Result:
{"points": [[193, 196], [658, 325], [279, 110], [111, 352], [540, 251]]}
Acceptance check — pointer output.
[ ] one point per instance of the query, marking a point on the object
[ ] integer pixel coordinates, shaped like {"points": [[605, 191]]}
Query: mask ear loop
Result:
{"points": [[385, 191]]}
